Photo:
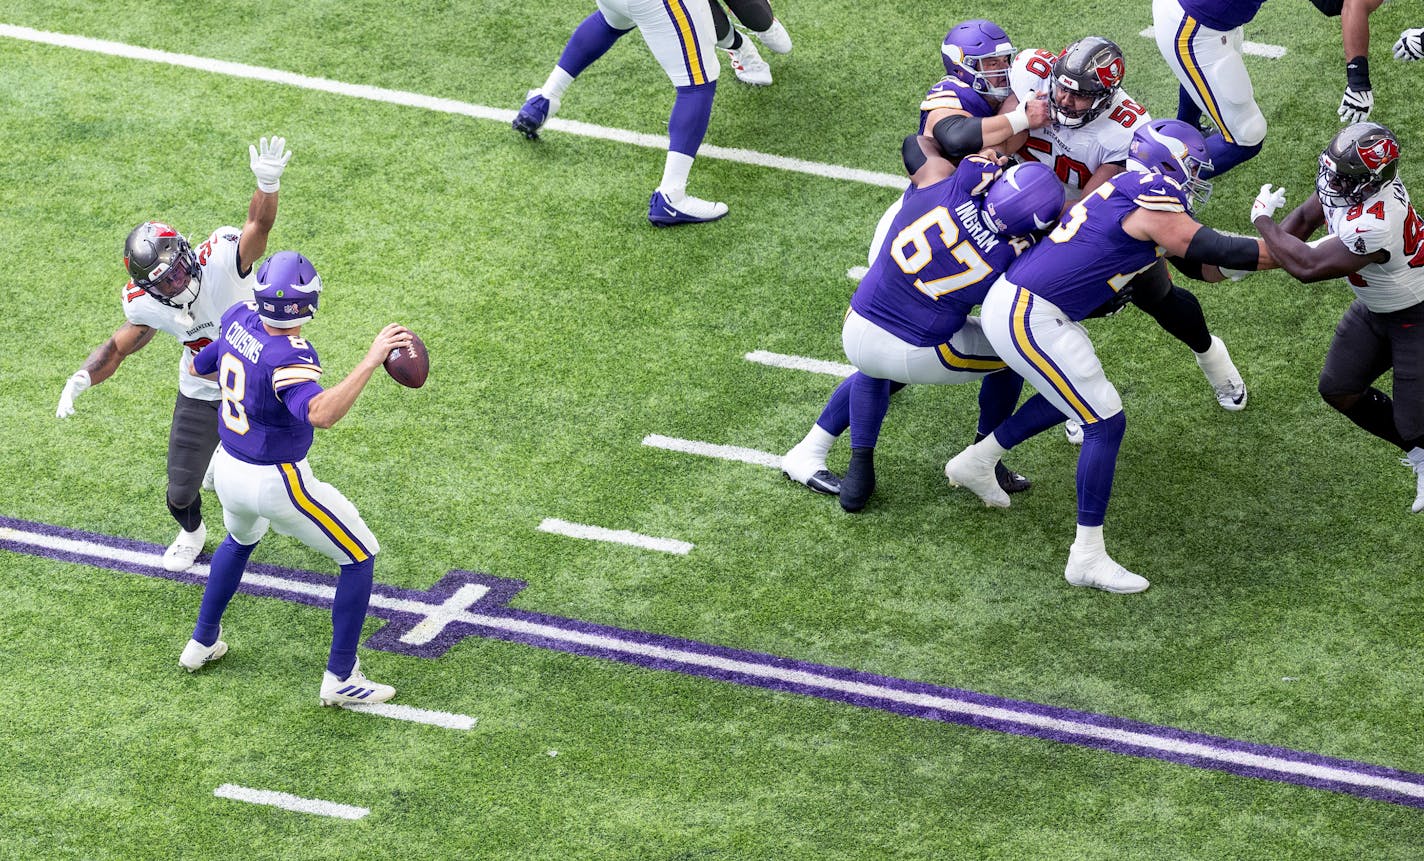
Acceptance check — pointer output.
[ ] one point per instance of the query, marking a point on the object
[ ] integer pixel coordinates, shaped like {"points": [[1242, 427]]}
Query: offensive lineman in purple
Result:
{"points": [[1222, 14]]}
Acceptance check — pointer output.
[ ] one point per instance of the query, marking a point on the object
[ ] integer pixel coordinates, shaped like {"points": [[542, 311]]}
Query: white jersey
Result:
{"points": [[222, 287], [1074, 154], [1385, 221]]}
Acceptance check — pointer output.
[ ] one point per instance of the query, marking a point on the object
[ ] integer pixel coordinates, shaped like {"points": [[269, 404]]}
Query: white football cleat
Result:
{"points": [[970, 470], [664, 211], [185, 549], [775, 37], [1098, 570], [353, 689], [196, 655], [1415, 461], [1073, 429], [1225, 380], [748, 65]]}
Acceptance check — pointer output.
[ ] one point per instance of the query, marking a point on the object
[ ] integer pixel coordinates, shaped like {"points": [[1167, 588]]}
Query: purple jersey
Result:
{"points": [[955, 95], [1222, 14], [1088, 258], [938, 259], [267, 382]]}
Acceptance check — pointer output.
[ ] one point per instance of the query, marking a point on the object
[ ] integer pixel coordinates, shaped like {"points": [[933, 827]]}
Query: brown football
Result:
{"points": [[411, 365]]}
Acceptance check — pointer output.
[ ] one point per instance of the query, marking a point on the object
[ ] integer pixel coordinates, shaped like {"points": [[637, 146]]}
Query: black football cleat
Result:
{"points": [[859, 481], [1009, 480]]}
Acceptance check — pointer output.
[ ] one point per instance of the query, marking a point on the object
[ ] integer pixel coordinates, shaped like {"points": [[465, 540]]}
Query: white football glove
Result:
{"points": [[1355, 105], [1267, 202], [1410, 46], [73, 388], [268, 161]]}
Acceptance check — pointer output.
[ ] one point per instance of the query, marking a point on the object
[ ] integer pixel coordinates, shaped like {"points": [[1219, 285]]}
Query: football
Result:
{"points": [[409, 366]]}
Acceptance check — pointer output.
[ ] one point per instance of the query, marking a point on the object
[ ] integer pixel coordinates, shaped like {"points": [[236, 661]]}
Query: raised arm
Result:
{"points": [[268, 160]]}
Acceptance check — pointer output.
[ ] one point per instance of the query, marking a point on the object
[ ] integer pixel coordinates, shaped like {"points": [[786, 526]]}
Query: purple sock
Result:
{"points": [[998, 395], [869, 401], [1034, 417], [691, 111], [591, 40], [224, 574], [1225, 156], [1096, 465], [348, 614], [835, 418], [1188, 111]]}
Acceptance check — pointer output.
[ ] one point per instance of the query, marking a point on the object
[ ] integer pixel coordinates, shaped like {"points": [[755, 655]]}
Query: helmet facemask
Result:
{"points": [[162, 263]]}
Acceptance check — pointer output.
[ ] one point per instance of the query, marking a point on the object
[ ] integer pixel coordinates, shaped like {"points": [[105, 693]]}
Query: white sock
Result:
{"points": [[559, 81], [1090, 539], [675, 171], [989, 448], [818, 442], [1416, 457]]}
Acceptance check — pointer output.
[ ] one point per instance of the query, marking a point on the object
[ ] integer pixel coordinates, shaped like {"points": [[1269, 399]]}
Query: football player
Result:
{"points": [[271, 401], [1376, 241], [1031, 315], [757, 17], [1087, 144], [1359, 98], [184, 291], [680, 35], [909, 318], [1201, 42], [961, 111]]}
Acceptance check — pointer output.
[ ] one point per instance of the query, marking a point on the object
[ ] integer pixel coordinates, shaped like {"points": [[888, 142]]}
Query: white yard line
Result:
{"points": [[314, 806], [800, 363], [707, 449], [614, 536], [448, 106], [448, 720], [1260, 49]]}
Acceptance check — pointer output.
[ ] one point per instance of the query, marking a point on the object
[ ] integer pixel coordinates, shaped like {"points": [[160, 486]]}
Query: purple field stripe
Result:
{"points": [[490, 617]]}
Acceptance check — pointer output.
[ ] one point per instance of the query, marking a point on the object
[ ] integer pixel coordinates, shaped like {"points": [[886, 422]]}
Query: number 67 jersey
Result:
{"points": [[267, 382]]}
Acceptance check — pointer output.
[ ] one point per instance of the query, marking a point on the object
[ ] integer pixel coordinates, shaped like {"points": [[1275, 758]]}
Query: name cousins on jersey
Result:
{"points": [[243, 341]]}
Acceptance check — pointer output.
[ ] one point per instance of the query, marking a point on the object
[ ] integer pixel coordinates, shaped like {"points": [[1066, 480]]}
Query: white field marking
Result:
{"points": [[448, 106], [448, 720], [800, 363], [707, 449], [290, 802], [614, 536], [855, 273], [823, 682], [1260, 49]]}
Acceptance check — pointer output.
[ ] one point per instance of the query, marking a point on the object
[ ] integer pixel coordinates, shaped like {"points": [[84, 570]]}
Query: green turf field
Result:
{"points": [[1286, 602]]}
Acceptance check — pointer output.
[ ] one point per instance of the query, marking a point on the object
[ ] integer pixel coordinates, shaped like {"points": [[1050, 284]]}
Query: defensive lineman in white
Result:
{"points": [[184, 291]]}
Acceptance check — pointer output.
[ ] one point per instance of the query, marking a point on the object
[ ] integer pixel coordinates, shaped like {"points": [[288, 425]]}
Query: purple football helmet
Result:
{"points": [[1027, 198], [966, 48], [288, 289], [1173, 149]]}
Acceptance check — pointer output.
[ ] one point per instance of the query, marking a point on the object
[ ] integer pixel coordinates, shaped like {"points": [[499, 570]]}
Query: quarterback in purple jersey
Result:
{"points": [[909, 319], [271, 400], [1031, 317]]}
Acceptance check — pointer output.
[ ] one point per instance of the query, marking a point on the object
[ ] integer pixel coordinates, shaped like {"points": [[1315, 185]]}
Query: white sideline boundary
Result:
{"points": [[442, 105], [314, 806], [614, 536]]}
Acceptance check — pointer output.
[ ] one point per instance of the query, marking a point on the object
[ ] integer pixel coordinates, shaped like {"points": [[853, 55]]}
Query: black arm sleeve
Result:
{"points": [[959, 136], [913, 156], [1235, 252], [1189, 268]]}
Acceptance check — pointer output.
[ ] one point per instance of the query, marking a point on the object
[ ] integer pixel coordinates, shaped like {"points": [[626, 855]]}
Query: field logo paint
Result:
{"points": [[469, 604]]}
